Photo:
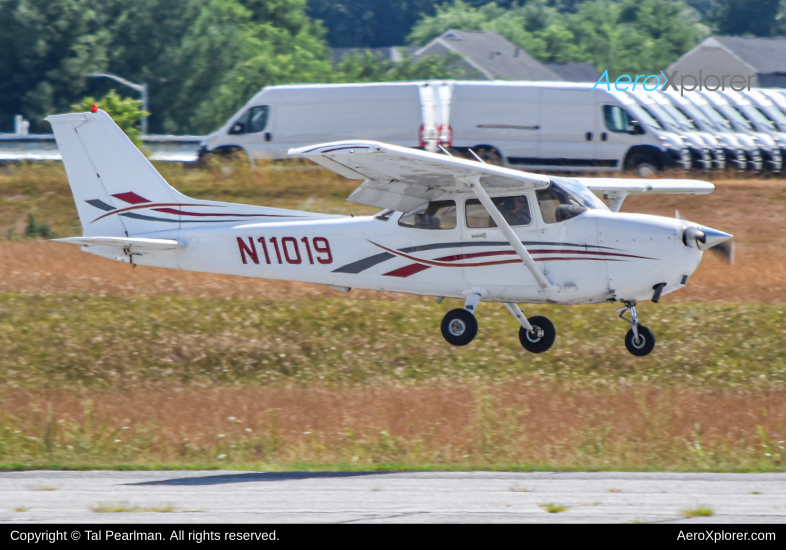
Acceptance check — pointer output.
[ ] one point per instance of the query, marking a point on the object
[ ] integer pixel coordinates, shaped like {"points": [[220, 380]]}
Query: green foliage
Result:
{"points": [[126, 112], [749, 17], [627, 36], [203, 59], [370, 68], [45, 48], [370, 23], [38, 230]]}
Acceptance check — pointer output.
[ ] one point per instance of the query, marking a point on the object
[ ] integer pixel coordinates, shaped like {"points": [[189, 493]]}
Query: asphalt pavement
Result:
{"points": [[374, 497]]}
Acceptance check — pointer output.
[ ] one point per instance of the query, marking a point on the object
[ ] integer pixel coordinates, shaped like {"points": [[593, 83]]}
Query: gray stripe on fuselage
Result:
{"points": [[365, 263]]}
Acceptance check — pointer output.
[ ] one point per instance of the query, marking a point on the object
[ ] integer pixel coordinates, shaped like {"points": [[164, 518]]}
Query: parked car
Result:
{"points": [[770, 151], [703, 153], [709, 119]]}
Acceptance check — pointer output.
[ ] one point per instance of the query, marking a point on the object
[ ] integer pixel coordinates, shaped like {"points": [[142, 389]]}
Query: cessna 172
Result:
{"points": [[451, 228]]}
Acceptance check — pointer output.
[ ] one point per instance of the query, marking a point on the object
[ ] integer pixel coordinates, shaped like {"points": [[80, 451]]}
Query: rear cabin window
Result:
{"points": [[515, 210], [252, 121], [432, 215]]}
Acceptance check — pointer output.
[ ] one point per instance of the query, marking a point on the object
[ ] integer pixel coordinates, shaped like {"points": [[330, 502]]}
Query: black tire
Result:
{"points": [[542, 339], [459, 327], [644, 345], [644, 166]]}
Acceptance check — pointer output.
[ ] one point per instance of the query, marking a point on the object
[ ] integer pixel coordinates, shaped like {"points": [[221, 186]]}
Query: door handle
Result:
{"points": [[476, 235], [589, 136], [268, 136], [603, 136]]}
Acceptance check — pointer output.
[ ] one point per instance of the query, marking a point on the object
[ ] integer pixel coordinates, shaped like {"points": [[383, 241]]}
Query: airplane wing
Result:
{"points": [[599, 186], [616, 189], [400, 178]]}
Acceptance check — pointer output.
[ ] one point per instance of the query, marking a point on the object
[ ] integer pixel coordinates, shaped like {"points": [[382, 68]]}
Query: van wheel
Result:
{"points": [[643, 166], [489, 155]]}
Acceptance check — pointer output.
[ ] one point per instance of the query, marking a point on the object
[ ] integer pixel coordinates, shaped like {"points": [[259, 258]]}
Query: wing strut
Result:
{"points": [[496, 215]]}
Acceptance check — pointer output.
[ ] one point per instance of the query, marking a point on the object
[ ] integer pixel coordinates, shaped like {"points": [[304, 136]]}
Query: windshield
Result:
{"points": [[753, 113], [735, 116], [683, 121], [720, 121], [775, 115], [694, 113], [565, 199], [643, 116], [663, 117]]}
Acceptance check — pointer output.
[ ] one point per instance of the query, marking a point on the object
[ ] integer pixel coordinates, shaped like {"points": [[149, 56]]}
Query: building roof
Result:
{"points": [[574, 72], [762, 55], [489, 54]]}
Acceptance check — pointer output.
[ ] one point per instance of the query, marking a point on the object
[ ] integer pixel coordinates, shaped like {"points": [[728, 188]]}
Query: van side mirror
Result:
{"points": [[635, 129], [237, 128]]}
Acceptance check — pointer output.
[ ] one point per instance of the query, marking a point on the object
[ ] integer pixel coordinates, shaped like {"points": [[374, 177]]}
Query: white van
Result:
{"points": [[541, 126]]}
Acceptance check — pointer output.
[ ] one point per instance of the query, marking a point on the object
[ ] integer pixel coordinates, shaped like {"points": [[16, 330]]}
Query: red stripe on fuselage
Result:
{"points": [[406, 271]]}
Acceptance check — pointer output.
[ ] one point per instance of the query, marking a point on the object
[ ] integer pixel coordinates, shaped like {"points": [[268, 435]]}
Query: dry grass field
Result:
{"points": [[105, 364]]}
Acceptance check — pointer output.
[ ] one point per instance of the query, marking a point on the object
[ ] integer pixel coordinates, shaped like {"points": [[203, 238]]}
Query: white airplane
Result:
{"points": [[451, 228]]}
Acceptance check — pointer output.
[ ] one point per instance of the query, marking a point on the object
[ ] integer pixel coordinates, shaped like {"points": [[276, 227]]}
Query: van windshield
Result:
{"points": [[734, 115], [680, 118], [755, 115], [720, 121], [694, 113], [643, 116]]}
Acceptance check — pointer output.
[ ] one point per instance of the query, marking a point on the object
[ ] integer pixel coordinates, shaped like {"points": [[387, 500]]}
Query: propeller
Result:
{"points": [[707, 238]]}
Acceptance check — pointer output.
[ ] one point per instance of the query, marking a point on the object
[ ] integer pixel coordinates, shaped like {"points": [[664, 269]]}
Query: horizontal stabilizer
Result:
{"points": [[134, 244]]}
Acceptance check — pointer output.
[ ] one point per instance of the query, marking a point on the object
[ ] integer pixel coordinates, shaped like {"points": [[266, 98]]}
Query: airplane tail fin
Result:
{"points": [[110, 178], [118, 193]]}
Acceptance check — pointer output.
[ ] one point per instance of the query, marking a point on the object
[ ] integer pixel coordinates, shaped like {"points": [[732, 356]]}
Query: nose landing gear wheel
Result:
{"points": [[643, 345], [541, 338], [459, 327]]}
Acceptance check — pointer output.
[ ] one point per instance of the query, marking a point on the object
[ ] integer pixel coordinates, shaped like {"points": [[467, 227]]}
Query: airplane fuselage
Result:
{"points": [[598, 256]]}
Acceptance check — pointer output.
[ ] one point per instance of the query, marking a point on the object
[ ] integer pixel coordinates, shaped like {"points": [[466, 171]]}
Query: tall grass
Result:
{"points": [[72, 341], [431, 425]]}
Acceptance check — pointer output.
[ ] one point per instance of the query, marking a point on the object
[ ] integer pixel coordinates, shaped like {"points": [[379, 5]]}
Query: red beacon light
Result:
{"points": [[94, 108]]}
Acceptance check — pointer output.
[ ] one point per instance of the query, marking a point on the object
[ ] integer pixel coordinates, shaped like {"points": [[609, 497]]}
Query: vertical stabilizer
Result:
{"points": [[110, 178]]}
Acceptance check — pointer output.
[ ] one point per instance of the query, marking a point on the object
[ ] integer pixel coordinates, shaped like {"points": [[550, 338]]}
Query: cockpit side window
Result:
{"points": [[515, 210], [432, 215]]}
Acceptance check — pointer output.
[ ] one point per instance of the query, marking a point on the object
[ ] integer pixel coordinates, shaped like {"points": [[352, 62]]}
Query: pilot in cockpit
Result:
{"points": [[515, 210]]}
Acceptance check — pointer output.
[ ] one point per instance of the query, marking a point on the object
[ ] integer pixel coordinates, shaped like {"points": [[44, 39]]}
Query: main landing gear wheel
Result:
{"points": [[541, 338], [459, 327], [643, 345]]}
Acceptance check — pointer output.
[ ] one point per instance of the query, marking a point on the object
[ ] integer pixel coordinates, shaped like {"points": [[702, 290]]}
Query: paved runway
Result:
{"points": [[407, 497]]}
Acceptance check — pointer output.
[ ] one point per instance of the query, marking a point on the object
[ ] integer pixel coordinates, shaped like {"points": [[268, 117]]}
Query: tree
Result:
{"points": [[45, 48], [235, 48], [369, 23], [627, 36], [127, 113], [369, 67], [746, 17]]}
